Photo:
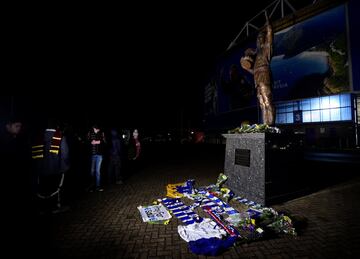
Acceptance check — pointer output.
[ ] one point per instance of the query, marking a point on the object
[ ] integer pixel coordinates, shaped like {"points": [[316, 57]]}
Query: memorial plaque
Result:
{"points": [[242, 157]]}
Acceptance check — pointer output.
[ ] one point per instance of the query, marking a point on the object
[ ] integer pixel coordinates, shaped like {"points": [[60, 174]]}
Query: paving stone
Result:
{"points": [[108, 224]]}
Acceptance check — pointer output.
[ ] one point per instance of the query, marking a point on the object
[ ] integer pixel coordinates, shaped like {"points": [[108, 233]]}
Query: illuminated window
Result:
{"points": [[325, 115], [289, 117], [306, 116], [335, 114], [305, 105], [290, 107], [319, 109], [345, 100], [324, 102], [334, 101], [315, 116], [315, 104], [297, 106], [345, 113], [281, 118]]}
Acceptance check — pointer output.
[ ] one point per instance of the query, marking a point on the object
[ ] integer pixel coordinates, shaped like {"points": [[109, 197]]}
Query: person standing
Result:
{"points": [[134, 152], [14, 156], [18, 201], [96, 138], [116, 158], [12, 151], [50, 155]]}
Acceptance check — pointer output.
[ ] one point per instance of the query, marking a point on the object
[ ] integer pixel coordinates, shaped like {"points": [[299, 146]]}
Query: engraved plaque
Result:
{"points": [[242, 157]]}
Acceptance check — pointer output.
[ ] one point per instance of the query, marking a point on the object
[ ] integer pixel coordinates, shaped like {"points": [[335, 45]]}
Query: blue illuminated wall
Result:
{"points": [[235, 86], [354, 25], [310, 59], [315, 71]]}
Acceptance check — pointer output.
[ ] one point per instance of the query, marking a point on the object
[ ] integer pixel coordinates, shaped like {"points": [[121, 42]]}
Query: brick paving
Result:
{"points": [[108, 225]]}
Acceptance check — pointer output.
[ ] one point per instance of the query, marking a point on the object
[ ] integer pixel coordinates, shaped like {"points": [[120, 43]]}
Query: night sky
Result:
{"points": [[158, 58]]}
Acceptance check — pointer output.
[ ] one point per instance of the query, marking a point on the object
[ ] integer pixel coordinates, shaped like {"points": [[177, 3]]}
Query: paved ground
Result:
{"points": [[108, 224]]}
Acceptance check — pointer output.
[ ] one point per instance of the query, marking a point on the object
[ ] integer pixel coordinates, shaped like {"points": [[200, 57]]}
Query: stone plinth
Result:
{"points": [[245, 165]]}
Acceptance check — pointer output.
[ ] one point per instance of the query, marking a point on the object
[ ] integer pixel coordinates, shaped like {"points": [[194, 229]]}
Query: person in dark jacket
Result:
{"points": [[134, 153], [115, 158], [14, 164], [16, 199], [50, 154], [96, 138], [12, 149]]}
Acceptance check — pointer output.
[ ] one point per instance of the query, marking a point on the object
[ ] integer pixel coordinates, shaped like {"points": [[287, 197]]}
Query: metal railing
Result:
{"points": [[276, 10]]}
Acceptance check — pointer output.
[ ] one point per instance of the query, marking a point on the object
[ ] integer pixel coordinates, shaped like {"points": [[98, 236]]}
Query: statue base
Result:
{"points": [[245, 165]]}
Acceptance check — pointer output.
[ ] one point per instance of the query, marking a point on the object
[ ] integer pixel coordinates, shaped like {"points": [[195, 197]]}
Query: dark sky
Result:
{"points": [[157, 57]]}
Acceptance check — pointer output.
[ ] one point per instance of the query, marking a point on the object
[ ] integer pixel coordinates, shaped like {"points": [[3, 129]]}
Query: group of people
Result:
{"points": [[37, 165], [117, 155]]}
